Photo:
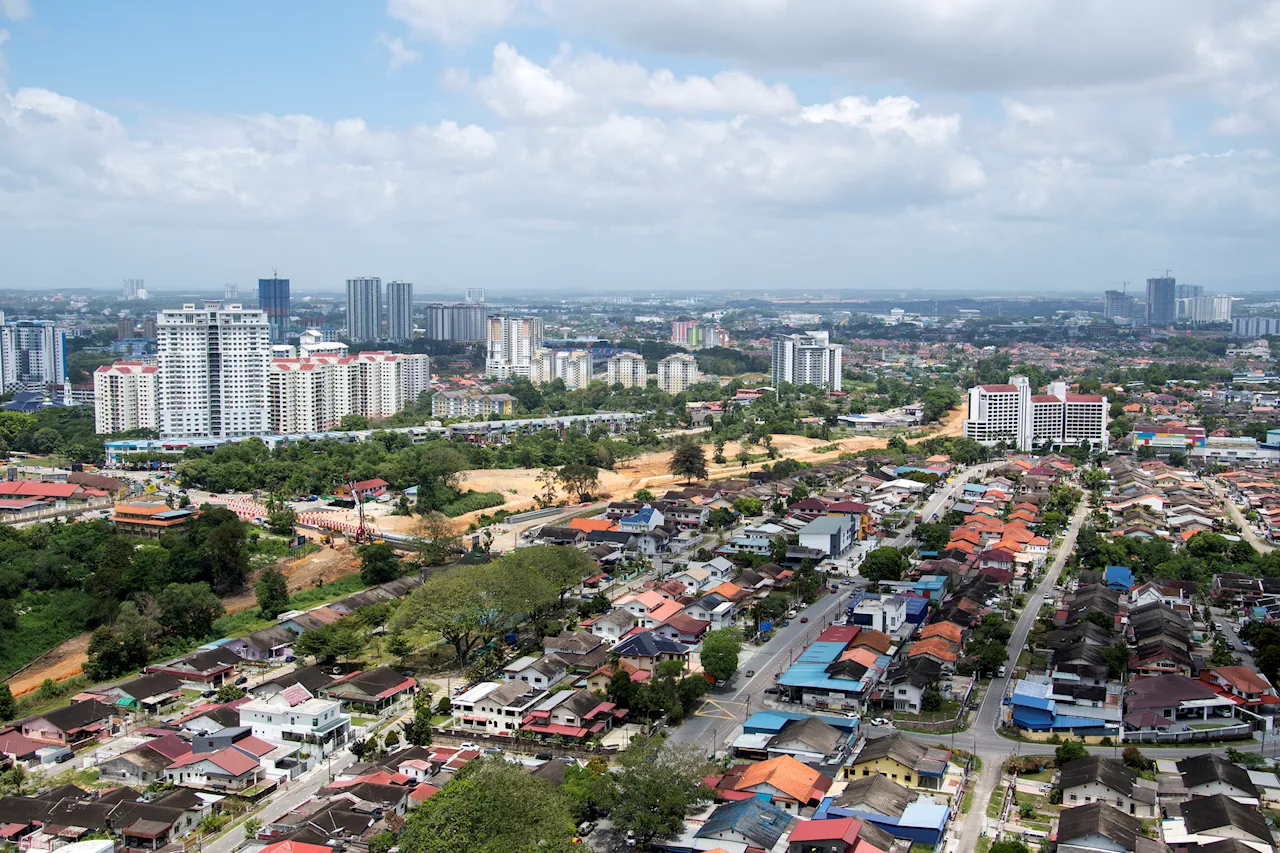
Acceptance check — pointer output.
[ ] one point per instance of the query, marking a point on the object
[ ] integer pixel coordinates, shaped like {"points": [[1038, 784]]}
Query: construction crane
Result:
{"points": [[365, 533]]}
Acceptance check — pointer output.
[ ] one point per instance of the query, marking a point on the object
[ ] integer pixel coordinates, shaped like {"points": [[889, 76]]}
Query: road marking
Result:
{"points": [[719, 710]]}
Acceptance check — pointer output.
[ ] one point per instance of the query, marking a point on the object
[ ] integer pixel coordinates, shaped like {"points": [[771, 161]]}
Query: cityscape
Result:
{"points": [[729, 427]]}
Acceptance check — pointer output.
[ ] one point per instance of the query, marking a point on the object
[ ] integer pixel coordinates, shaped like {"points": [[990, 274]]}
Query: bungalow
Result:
{"points": [[1206, 820], [1103, 780], [1242, 684], [683, 628], [268, 644], [1102, 828], [751, 823], [227, 769], [646, 651], [206, 669], [900, 758], [538, 672], [70, 724], [146, 763], [613, 625], [571, 714], [716, 609], [785, 782], [496, 708], [372, 691], [1206, 775], [364, 490], [899, 811], [152, 693]]}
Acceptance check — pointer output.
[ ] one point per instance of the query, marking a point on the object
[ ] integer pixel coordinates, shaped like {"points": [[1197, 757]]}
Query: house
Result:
{"points": [[227, 769], [1242, 684], [151, 521], [152, 693], [1206, 775], [899, 811], [716, 609], [646, 651], [906, 682], [1119, 578], [883, 613], [642, 520], [785, 782], [571, 715], [1104, 780], [1101, 828], [372, 691], [146, 763], [1175, 698], [567, 536], [496, 708], [364, 490], [695, 579], [838, 835], [572, 644], [748, 824], [1208, 819], [70, 724], [205, 669], [540, 673], [830, 534], [295, 715], [937, 649], [613, 625], [901, 759], [683, 628], [809, 740], [268, 644]]}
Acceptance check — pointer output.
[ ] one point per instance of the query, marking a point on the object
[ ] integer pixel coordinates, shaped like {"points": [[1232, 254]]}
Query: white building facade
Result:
{"points": [[364, 309], [626, 369], [1011, 414], [511, 345], [677, 372], [213, 371], [33, 354], [808, 359], [124, 397]]}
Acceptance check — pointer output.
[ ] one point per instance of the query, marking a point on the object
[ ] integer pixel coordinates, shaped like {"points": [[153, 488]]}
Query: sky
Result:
{"points": [[625, 146]]}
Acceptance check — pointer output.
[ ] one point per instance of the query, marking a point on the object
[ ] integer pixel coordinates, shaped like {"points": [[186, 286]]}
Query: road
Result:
{"points": [[936, 502], [1246, 528]]}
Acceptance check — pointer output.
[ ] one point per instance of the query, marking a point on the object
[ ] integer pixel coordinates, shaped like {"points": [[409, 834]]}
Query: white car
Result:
{"points": [[466, 744], [878, 721]]}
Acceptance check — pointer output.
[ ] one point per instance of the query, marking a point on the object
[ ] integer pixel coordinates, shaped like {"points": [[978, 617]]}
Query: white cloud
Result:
{"points": [[519, 88], [15, 10], [454, 21], [398, 56]]}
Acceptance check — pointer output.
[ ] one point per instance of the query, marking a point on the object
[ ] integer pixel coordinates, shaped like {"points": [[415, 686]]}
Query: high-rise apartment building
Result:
{"points": [[124, 397], [1199, 310], [315, 394], [230, 292], [296, 396], [135, 288], [808, 359], [677, 372], [416, 373], [1255, 327], [695, 334], [33, 355], [124, 328], [512, 341], [1014, 415], [1118, 305], [399, 310], [475, 294], [364, 309], [1161, 307], [455, 322], [1188, 291], [273, 300], [626, 369], [149, 328], [575, 367], [213, 371]]}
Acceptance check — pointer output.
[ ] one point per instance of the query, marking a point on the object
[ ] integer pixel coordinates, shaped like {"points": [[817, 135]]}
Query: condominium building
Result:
{"points": [[135, 288], [315, 342], [677, 372], [315, 393], [33, 355], [808, 359], [273, 299], [1012, 414], [1161, 299], [626, 369], [1118, 305], [573, 366], [455, 322], [512, 341], [475, 294], [1204, 309], [364, 309], [471, 404], [213, 371], [696, 334], [399, 310], [124, 397], [415, 370], [1255, 327], [380, 384], [296, 388]]}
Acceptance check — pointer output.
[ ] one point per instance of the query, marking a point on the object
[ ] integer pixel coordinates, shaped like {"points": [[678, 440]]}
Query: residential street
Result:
{"points": [[1238, 517]]}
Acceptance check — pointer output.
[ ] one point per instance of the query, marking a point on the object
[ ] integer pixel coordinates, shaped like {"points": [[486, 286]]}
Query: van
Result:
{"points": [[1001, 671]]}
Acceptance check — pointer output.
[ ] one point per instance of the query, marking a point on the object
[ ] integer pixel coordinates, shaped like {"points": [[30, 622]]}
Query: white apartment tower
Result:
{"points": [[213, 371], [364, 309], [415, 369], [124, 397], [677, 372], [297, 396], [808, 359], [626, 369], [33, 355], [399, 310], [1013, 415], [575, 367], [512, 341]]}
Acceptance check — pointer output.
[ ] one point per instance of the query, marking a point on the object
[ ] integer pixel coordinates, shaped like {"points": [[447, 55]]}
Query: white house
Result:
{"points": [[613, 625], [295, 715], [493, 707], [541, 672]]}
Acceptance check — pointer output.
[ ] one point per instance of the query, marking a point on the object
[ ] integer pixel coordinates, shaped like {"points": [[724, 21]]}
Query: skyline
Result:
{"points": [[526, 146]]}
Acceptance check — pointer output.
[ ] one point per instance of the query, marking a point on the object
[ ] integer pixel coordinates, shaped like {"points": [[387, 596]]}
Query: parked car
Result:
{"points": [[544, 756], [804, 619], [493, 750], [878, 721], [466, 744], [244, 679]]}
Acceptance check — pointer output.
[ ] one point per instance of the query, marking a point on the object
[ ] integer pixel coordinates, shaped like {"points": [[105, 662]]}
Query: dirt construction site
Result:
{"points": [[519, 486]]}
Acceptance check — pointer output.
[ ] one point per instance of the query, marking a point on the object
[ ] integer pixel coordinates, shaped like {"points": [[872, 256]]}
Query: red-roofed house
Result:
{"points": [[1241, 684], [365, 489], [225, 770]]}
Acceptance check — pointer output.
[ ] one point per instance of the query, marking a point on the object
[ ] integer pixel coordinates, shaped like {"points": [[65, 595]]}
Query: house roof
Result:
{"points": [[1099, 819], [1207, 768], [897, 746], [1205, 813], [937, 647], [1243, 679], [1162, 691], [760, 821], [877, 793], [877, 640], [946, 630], [77, 715], [230, 760], [1095, 768], [784, 773], [824, 738], [648, 644]]}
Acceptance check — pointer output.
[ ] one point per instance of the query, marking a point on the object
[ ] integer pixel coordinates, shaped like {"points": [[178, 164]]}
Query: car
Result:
{"points": [[773, 691], [244, 679], [567, 759], [630, 839], [466, 744], [878, 721], [493, 750], [804, 619], [544, 756], [785, 622], [750, 673], [719, 683], [1000, 673]]}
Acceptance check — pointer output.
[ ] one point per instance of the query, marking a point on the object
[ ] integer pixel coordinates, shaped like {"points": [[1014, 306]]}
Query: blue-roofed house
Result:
{"points": [[1118, 577], [750, 823], [894, 808], [771, 722], [917, 609], [819, 677], [644, 520], [1084, 710]]}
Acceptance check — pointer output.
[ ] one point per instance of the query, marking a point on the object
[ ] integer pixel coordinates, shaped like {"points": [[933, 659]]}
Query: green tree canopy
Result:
{"points": [[689, 460], [883, 564], [720, 650]]}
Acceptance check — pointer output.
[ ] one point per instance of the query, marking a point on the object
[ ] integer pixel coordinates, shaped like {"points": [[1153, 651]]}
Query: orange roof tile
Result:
{"points": [[934, 647], [947, 630], [784, 773], [592, 524]]}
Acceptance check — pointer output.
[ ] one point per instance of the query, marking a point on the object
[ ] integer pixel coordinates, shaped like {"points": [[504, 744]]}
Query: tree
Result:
{"points": [[189, 609], [933, 537], [720, 518], [883, 564], [898, 443], [560, 566], [282, 521], [1222, 655], [720, 650], [656, 785], [399, 647], [418, 730], [492, 806], [1135, 760], [8, 707], [643, 496], [748, 506], [227, 555], [341, 639], [689, 460], [436, 538], [931, 700], [1072, 750], [1008, 847], [743, 456], [272, 593], [459, 603], [378, 563], [579, 479], [547, 478], [120, 647], [229, 693], [1102, 620]]}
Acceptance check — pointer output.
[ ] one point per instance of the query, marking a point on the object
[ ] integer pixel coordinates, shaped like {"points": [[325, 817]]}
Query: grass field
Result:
{"points": [[247, 621]]}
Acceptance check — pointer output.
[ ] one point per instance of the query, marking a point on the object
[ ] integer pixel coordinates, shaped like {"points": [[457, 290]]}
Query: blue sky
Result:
{"points": [[617, 145]]}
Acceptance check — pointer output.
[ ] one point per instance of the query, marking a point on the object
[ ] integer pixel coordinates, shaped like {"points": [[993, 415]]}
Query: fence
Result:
{"points": [[534, 514], [1238, 732]]}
